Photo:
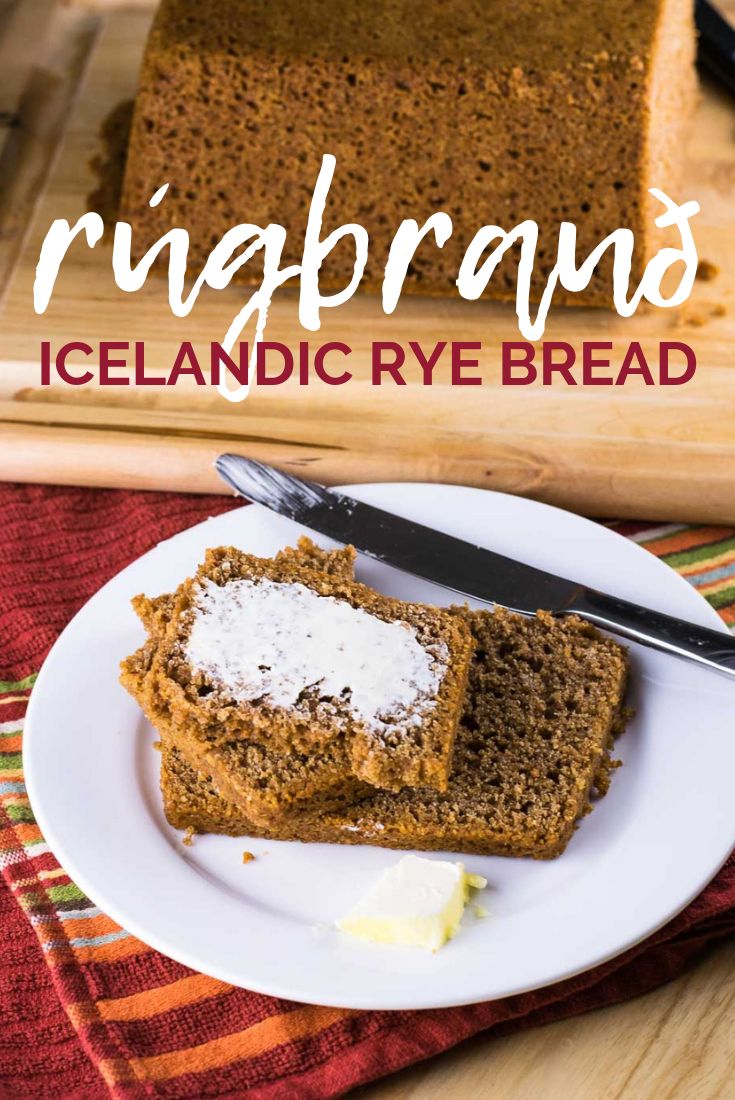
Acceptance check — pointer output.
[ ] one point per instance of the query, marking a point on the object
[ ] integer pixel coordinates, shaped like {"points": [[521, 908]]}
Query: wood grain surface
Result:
{"points": [[673, 1044], [635, 451]]}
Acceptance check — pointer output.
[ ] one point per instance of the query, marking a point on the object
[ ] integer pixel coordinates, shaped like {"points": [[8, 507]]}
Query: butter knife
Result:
{"points": [[469, 570]]}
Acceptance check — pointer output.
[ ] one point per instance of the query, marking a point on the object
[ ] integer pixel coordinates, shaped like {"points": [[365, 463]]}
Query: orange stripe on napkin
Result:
{"points": [[717, 586], [272, 1032], [151, 1002], [23, 831], [148, 1002], [686, 540], [116, 1071]]}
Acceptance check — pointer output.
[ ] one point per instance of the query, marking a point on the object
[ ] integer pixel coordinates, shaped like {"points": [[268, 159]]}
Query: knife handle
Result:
{"points": [[652, 628], [716, 47]]}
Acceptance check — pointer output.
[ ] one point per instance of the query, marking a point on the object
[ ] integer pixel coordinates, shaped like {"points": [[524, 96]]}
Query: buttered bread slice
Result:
{"points": [[298, 659]]}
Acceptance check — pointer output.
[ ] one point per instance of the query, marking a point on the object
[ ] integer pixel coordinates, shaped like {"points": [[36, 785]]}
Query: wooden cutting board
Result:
{"points": [[635, 451]]}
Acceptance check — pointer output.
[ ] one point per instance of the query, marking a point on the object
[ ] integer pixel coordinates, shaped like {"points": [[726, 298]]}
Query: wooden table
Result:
{"points": [[677, 1043]]}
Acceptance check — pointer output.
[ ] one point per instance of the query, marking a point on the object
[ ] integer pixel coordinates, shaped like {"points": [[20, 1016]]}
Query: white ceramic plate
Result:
{"points": [[650, 846]]}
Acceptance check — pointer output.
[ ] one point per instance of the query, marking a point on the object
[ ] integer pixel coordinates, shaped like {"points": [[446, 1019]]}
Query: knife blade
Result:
{"points": [[467, 569]]}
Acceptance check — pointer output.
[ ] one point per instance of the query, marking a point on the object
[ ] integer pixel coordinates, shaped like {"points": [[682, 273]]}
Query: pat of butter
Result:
{"points": [[417, 902]]}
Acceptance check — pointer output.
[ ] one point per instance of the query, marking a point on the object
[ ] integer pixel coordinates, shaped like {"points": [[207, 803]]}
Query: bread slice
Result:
{"points": [[425, 653], [545, 700], [263, 784]]}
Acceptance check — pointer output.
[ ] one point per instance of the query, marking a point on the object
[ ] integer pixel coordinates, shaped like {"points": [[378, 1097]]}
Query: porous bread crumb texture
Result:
{"points": [[268, 785], [186, 700], [545, 700], [192, 799], [492, 112], [262, 784]]}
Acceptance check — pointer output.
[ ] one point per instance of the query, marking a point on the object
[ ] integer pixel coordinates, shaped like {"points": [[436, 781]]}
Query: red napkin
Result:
{"points": [[87, 1010]]}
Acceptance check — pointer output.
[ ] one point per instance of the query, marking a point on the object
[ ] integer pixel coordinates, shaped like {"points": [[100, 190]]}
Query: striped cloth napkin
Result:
{"points": [[89, 1011]]}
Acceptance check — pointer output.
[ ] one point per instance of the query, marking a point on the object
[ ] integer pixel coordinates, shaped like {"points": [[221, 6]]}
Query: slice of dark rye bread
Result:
{"points": [[545, 700], [398, 754], [264, 784]]}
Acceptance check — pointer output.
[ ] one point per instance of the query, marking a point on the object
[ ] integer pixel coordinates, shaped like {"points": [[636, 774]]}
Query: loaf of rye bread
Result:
{"points": [[490, 111], [180, 697], [545, 700]]}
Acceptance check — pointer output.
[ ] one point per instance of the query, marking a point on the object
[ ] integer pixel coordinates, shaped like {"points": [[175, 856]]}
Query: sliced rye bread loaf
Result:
{"points": [[545, 700]]}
